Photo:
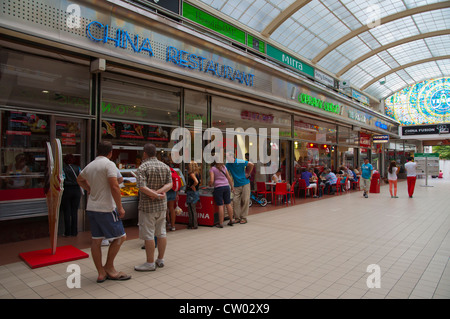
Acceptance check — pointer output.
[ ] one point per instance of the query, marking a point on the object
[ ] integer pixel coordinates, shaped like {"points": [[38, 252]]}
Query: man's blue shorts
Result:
{"points": [[105, 225]]}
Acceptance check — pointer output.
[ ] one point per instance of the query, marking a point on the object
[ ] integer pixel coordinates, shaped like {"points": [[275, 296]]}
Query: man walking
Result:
{"points": [[104, 210], [411, 176], [154, 179], [240, 171], [366, 176]]}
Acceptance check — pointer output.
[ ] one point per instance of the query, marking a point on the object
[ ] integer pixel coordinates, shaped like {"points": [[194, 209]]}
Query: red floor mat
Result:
{"points": [[44, 257]]}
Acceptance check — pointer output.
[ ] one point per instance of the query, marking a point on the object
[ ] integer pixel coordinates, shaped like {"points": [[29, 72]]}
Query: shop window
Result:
{"points": [[313, 130], [195, 108], [140, 101], [347, 136], [227, 113], [23, 154], [36, 82], [308, 154]]}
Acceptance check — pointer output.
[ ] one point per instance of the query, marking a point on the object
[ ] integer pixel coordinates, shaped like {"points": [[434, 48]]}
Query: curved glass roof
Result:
{"points": [[398, 42]]}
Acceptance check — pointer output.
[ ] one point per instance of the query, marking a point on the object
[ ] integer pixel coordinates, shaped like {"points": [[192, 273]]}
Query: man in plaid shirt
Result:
{"points": [[154, 179]]}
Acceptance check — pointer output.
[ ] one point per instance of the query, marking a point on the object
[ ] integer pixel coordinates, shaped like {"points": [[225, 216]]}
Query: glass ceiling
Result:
{"points": [[399, 41]]}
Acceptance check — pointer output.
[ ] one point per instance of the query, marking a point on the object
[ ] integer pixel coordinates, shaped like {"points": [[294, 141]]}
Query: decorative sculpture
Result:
{"points": [[54, 255], [55, 191]]}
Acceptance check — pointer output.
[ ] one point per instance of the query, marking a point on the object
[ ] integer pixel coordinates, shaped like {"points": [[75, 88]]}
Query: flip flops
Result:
{"points": [[122, 276]]}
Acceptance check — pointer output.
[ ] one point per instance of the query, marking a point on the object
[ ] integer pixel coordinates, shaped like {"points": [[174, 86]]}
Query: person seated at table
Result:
{"points": [[330, 180], [310, 181], [344, 175], [357, 171], [352, 176], [276, 178]]}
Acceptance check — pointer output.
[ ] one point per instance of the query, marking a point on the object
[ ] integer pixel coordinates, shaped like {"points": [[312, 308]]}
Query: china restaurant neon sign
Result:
{"points": [[99, 32], [121, 38]]}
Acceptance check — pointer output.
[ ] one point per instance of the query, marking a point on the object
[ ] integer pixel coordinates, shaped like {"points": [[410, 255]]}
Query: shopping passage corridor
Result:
{"points": [[318, 249]]}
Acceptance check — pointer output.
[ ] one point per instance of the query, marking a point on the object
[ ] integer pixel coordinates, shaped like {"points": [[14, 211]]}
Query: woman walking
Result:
{"points": [[221, 180], [192, 195], [392, 178]]}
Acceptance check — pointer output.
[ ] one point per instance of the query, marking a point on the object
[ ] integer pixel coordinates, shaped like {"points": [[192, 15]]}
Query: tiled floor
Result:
{"points": [[319, 249]]}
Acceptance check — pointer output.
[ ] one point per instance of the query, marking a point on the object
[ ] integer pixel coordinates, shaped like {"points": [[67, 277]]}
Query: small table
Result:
{"points": [[272, 186]]}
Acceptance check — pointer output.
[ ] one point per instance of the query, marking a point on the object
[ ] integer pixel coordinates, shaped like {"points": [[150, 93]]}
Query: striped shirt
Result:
{"points": [[152, 174]]}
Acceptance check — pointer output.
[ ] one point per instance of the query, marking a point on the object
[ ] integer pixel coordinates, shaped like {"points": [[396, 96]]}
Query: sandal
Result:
{"points": [[230, 223], [219, 226], [99, 281], [243, 221], [121, 276]]}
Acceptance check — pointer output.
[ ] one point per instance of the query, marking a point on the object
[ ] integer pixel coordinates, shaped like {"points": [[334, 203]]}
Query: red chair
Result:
{"points": [[338, 186], [280, 190], [302, 185], [292, 192], [261, 189], [355, 183]]}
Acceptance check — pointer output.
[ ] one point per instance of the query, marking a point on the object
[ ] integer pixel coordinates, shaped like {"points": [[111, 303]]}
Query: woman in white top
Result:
{"points": [[392, 177]]}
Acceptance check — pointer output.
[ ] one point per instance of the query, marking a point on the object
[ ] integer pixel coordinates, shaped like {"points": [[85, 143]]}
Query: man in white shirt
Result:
{"points": [[104, 209], [410, 167]]}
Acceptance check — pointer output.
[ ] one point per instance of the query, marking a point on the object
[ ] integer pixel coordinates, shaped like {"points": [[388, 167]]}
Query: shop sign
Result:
{"points": [[323, 78], [357, 116], [425, 129], [326, 106], [121, 38], [381, 125], [364, 140], [289, 60], [195, 62], [212, 23], [254, 116], [380, 138], [360, 97]]}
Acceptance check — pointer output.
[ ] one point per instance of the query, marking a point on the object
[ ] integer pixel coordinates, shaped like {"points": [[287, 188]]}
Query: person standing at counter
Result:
{"points": [[70, 200], [240, 170], [105, 210], [221, 180], [154, 180], [411, 176], [192, 195], [172, 197]]}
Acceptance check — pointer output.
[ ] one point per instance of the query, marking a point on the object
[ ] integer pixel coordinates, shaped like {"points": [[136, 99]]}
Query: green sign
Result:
{"points": [[210, 22], [256, 44], [426, 154], [326, 106], [289, 60]]}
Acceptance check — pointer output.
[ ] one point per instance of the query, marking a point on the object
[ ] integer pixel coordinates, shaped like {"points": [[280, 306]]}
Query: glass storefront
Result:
{"points": [[35, 82], [35, 93], [233, 114], [136, 112]]}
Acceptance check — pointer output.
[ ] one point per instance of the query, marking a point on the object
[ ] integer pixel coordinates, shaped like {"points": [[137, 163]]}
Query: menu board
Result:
{"points": [[20, 123], [20, 129], [427, 163], [133, 131]]}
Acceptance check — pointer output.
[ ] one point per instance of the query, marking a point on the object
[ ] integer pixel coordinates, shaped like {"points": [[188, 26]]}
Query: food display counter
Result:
{"points": [[130, 192]]}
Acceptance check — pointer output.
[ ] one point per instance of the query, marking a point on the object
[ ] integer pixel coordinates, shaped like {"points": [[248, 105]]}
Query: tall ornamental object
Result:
{"points": [[56, 188]]}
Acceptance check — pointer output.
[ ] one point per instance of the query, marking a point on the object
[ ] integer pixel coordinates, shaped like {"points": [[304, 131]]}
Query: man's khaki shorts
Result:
{"points": [[151, 225]]}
